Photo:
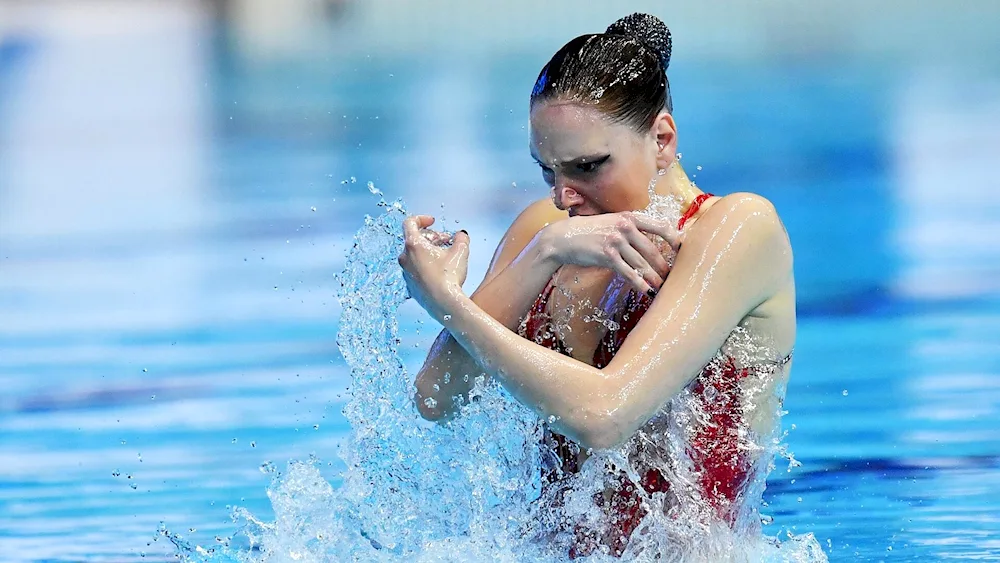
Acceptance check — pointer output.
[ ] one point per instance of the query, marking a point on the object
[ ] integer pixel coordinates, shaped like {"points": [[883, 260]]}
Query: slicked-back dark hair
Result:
{"points": [[622, 72]]}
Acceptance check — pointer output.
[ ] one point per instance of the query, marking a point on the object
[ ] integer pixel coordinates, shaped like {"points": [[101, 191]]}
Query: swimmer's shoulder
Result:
{"points": [[532, 219], [749, 221], [745, 208]]}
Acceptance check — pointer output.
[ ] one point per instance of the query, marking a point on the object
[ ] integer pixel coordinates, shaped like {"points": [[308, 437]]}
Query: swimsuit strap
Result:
{"points": [[692, 209]]}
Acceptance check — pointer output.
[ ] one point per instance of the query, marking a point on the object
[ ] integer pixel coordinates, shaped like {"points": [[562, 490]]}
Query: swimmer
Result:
{"points": [[677, 295]]}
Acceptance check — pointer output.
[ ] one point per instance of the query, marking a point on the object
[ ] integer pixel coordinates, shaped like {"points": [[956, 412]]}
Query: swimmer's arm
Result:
{"points": [[519, 271], [729, 267]]}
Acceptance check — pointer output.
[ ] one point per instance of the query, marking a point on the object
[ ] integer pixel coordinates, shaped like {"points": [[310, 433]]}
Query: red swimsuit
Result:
{"points": [[714, 449]]}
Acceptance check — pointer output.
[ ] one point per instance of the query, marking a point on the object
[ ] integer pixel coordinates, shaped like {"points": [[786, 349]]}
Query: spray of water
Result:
{"points": [[471, 490]]}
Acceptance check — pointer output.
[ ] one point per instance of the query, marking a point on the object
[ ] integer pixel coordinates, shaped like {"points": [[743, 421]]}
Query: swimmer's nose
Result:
{"points": [[565, 196]]}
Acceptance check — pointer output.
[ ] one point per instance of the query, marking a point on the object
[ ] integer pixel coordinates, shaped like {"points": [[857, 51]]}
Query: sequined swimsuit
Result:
{"points": [[724, 467]]}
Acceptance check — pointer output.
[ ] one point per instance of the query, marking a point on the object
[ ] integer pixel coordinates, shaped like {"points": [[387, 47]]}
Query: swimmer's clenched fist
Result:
{"points": [[433, 272]]}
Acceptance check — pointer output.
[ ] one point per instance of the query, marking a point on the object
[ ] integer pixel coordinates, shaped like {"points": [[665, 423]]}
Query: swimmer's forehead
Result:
{"points": [[568, 133]]}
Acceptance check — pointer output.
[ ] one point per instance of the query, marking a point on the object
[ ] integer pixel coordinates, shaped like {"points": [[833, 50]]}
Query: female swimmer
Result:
{"points": [[596, 313]]}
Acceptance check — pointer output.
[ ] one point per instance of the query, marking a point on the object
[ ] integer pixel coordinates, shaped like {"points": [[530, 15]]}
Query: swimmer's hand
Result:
{"points": [[434, 272], [616, 241]]}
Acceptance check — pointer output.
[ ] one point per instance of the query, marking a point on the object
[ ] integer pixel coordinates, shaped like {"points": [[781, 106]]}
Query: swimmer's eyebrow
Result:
{"points": [[576, 161], [588, 159]]}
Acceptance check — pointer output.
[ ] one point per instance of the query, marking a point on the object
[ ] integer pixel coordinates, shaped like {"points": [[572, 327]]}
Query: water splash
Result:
{"points": [[466, 491]]}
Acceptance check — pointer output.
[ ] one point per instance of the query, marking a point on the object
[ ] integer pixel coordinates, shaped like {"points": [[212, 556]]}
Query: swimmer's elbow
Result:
{"points": [[428, 403], [601, 438], [430, 409], [428, 413], [600, 430]]}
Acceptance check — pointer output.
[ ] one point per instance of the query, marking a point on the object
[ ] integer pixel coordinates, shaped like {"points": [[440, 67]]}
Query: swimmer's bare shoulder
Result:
{"points": [[524, 228], [774, 316]]}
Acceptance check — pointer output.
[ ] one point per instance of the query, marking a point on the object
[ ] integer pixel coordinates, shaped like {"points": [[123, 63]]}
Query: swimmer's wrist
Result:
{"points": [[451, 298], [545, 249]]}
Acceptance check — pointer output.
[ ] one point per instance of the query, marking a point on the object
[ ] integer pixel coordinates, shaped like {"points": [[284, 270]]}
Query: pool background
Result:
{"points": [[178, 189]]}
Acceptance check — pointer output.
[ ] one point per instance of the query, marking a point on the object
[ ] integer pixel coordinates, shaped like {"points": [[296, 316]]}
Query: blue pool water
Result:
{"points": [[170, 233]]}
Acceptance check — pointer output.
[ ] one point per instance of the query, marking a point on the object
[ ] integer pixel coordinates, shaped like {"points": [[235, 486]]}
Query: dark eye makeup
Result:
{"points": [[590, 165], [578, 167]]}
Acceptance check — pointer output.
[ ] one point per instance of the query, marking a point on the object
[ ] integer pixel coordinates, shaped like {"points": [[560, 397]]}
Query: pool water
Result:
{"points": [[168, 307]]}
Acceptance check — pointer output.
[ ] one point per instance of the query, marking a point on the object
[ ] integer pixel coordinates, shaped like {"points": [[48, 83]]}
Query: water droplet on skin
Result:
{"points": [[430, 402]]}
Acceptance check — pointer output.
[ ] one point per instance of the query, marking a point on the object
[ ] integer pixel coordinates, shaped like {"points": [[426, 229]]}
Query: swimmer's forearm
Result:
{"points": [[447, 374], [568, 392], [511, 293], [449, 371]]}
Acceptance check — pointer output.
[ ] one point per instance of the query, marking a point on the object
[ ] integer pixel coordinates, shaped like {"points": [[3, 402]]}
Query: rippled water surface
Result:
{"points": [[169, 311]]}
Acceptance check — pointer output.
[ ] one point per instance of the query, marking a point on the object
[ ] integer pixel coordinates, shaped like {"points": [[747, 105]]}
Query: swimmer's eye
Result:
{"points": [[589, 167]]}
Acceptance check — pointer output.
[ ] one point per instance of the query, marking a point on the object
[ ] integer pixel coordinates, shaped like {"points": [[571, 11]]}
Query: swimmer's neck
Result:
{"points": [[676, 185]]}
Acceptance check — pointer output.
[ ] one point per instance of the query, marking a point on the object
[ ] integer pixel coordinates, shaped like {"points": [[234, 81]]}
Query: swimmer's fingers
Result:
{"points": [[653, 259], [460, 242], [458, 257], [633, 273], [437, 238], [636, 269], [665, 229], [412, 226]]}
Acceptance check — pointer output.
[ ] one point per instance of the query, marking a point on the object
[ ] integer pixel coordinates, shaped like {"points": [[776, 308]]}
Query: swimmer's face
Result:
{"points": [[593, 164]]}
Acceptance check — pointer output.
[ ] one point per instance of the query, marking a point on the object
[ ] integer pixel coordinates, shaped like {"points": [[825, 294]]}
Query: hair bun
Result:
{"points": [[648, 29]]}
